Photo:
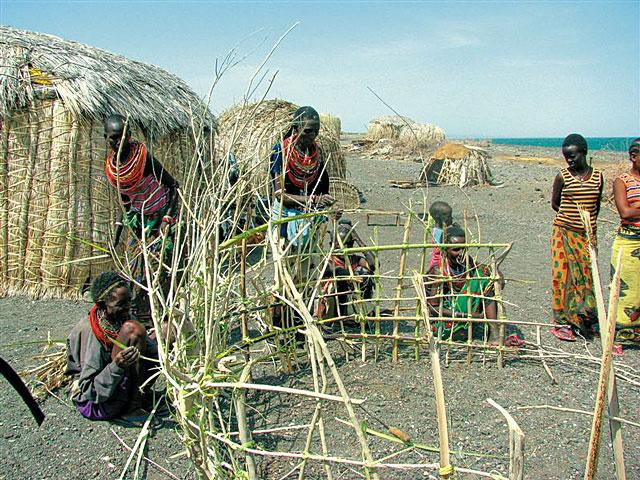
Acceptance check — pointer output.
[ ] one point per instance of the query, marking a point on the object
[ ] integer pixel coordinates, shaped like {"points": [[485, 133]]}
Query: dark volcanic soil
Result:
{"points": [[399, 395]]}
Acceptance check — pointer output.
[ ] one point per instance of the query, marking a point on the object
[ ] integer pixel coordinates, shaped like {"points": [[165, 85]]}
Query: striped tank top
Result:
{"points": [[150, 196], [633, 196], [577, 194]]}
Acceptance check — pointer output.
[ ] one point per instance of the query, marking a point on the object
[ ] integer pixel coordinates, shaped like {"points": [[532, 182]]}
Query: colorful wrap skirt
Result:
{"points": [[573, 300], [628, 315]]}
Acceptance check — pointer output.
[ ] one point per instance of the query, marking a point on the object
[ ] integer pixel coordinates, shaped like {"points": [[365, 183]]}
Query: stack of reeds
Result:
{"points": [[56, 209], [331, 121], [458, 164], [256, 127]]}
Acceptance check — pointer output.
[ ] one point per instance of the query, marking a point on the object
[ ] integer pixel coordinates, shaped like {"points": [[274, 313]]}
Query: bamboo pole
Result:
{"points": [[516, 444], [403, 263], [501, 315], [446, 469], [378, 289], [613, 405], [240, 399], [605, 374]]}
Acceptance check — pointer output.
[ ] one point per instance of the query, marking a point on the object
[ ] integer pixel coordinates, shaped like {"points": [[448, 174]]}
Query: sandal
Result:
{"points": [[616, 349], [564, 333]]}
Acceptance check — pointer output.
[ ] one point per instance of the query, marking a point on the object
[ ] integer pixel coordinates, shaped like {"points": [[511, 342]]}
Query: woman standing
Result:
{"points": [[577, 187], [626, 191], [300, 178]]}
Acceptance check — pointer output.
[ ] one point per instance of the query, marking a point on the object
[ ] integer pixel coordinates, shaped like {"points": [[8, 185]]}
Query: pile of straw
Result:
{"points": [[332, 122], [458, 164], [56, 209], [253, 129], [404, 130]]}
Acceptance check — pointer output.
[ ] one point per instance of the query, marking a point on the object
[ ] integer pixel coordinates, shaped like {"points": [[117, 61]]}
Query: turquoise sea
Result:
{"points": [[616, 144]]}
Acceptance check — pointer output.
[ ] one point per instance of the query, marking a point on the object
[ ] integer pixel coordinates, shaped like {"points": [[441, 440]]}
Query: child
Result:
{"points": [[442, 215]]}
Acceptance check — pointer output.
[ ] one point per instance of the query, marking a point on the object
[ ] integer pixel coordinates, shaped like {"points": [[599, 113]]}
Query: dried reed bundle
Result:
{"points": [[458, 164], [48, 376], [333, 122]]}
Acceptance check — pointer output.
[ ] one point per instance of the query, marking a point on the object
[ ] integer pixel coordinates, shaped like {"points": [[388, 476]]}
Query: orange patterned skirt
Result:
{"points": [[572, 284]]}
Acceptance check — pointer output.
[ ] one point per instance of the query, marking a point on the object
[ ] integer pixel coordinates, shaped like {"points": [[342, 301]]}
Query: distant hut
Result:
{"points": [[56, 209], [458, 164], [404, 130], [249, 131]]}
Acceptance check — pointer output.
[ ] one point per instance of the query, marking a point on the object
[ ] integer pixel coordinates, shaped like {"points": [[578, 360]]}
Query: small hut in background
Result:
{"points": [[404, 130], [457, 164], [56, 208], [250, 131]]}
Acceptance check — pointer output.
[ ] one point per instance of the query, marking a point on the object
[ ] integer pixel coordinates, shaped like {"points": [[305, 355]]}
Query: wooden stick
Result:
{"points": [[542, 359], [403, 263], [575, 410], [613, 405], [501, 315], [516, 444], [277, 389], [605, 374], [243, 427], [446, 469]]}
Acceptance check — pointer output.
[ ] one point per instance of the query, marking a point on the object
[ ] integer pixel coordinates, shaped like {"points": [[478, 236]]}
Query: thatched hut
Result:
{"points": [[404, 130], [458, 164], [251, 130], [56, 209]]}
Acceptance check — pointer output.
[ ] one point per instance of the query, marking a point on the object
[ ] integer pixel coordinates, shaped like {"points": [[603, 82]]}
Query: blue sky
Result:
{"points": [[475, 68]]}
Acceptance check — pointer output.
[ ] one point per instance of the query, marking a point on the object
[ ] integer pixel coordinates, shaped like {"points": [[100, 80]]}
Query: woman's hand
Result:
{"points": [[324, 200], [127, 357]]}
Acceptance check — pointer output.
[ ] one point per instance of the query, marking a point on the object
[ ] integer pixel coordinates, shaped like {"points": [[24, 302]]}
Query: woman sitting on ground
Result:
{"points": [[104, 354], [626, 190], [577, 187], [300, 178], [458, 288]]}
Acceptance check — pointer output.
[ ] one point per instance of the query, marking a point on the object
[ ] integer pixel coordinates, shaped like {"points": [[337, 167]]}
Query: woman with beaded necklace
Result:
{"points": [[104, 354], [300, 178]]}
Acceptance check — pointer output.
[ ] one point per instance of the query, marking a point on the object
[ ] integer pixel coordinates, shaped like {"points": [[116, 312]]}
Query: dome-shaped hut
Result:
{"points": [[56, 208], [404, 130], [458, 164]]}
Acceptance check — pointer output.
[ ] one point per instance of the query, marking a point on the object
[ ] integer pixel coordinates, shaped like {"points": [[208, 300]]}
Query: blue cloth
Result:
{"points": [[437, 234], [290, 229]]}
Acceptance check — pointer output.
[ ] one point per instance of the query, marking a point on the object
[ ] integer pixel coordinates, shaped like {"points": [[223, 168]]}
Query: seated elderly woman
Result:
{"points": [[104, 354], [458, 288]]}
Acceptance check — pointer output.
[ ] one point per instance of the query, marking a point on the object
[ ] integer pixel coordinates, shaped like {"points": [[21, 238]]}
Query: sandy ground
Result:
{"points": [[399, 395]]}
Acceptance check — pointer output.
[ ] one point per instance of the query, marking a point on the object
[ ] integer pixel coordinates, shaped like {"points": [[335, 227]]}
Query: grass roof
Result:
{"points": [[92, 83]]}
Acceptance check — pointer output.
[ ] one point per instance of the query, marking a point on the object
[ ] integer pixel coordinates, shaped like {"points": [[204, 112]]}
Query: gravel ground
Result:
{"points": [[400, 395]]}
